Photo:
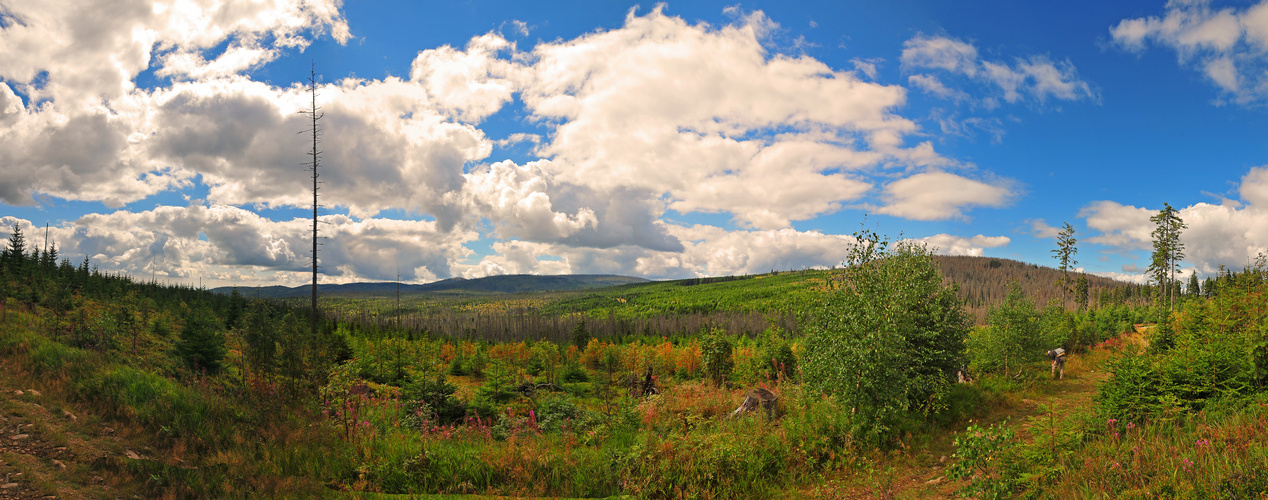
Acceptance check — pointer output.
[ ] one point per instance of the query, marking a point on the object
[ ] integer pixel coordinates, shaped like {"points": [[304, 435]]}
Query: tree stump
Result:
{"points": [[753, 399]]}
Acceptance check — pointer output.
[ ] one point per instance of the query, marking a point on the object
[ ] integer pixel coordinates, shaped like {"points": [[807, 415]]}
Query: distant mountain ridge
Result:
{"points": [[509, 283]]}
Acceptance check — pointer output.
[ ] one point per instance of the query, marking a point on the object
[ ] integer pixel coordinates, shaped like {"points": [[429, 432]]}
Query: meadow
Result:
{"points": [[629, 391]]}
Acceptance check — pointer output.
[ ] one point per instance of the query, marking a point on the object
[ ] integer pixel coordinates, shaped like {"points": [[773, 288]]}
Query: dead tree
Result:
{"points": [[314, 114]]}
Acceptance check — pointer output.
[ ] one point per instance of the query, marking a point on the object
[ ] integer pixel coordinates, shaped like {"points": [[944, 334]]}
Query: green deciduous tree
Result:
{"points": [[1011, 336], [885, 342]]}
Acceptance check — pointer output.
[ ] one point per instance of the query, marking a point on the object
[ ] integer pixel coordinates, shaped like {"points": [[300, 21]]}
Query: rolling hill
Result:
{"points": [[506, 284]]}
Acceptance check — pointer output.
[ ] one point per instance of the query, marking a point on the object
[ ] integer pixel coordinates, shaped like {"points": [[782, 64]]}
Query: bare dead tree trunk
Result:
{"points": [[315, 160]]}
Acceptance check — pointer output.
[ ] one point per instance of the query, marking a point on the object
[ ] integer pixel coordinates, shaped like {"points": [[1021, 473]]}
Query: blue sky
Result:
{"points": [[659, 140]]}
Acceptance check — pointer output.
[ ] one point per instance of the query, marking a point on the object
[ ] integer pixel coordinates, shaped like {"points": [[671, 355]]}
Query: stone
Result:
{"points": [[10, 486], [34, 392], [131, 454], [59, 464], [936, 480], [19, 437], [17, 393], [70, 415]]}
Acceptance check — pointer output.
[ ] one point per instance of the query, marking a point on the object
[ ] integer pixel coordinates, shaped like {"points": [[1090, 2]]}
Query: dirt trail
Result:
{"points": [[50, 451], [921, 473]]}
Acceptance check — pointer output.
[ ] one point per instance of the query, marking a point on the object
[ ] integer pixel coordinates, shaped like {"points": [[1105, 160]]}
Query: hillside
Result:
{"points": [[985, 281], [514, 283], [742, 305]]}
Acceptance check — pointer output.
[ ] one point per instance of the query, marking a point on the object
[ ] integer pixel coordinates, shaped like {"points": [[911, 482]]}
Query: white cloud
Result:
{"points": [[1229, 46], [692, 112], [941, 195], [1120, 225], [165, 242], [932, 85], [1035, 78], [1129, 277], [946, 244], [471, 84], [94, 52], [941, 53], [866, 66], [1041, 229], [656, 115], [1229, 234]]}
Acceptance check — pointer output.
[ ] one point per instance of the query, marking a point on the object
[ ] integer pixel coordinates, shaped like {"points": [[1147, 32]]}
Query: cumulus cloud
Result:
{"points": [[1228, 234], [75, 54], [946, 244], [222, 242], [656, 115], [1035, 78], [941, 195], [1227, 45], [713, 121]]}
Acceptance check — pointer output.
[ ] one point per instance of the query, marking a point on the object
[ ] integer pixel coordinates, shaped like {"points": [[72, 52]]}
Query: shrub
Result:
{"points": [[715, 351], [887, 340], [435, 399]]}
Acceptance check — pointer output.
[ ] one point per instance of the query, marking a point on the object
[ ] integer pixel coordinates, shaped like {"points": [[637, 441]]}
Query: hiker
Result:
{"points": [[1058, 362]]}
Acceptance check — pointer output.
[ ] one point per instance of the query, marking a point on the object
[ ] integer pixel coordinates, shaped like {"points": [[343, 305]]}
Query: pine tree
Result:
{"points": [[201, 343], [1064, 253], [1168, 250], [15, 255]]}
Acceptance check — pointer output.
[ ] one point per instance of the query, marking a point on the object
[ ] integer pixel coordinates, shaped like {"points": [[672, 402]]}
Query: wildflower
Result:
{"points": [[1131, 425]]}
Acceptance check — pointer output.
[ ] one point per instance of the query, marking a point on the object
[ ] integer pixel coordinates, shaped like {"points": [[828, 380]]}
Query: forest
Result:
{"points": [[172, 391]]}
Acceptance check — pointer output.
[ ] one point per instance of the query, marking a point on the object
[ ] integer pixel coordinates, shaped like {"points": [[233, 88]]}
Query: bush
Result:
{"points": [[435, 399], [1136, 389], [886, 342], [776, 357], [574, 373], [715, 352]]}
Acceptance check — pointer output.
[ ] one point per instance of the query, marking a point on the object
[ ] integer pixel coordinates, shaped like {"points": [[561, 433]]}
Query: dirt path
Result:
{"points": [[48, 451], [921, 472]]}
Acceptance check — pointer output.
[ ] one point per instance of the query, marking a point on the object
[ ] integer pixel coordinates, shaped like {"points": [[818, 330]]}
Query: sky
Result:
{"points": [[166, 140]]}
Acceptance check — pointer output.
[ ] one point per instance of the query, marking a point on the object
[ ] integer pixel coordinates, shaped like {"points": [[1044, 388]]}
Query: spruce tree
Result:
{"points": [[15, 255], [1064, 253], [1168, 250], [201, 344]]}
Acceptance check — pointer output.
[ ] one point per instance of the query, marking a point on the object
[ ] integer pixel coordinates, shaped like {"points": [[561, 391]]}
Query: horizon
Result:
{"points": [[669, 141]]}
